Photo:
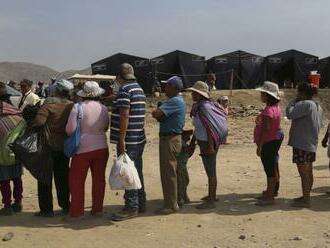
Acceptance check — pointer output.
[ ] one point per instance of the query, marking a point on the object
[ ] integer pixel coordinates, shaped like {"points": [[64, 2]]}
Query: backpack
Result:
{"points": [[7, 157]]}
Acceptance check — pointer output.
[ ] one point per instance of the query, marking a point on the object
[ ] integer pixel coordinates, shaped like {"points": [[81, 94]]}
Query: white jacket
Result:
{"points": [[29, 99]]}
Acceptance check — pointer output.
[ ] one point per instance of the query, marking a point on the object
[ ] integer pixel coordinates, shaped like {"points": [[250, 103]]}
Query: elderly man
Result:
{"points": [[28, 97], [171, 115], [55, 113], [127, 132]]}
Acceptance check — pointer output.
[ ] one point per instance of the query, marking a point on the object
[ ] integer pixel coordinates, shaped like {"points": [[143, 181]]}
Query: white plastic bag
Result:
{"points": [[123, 174]]}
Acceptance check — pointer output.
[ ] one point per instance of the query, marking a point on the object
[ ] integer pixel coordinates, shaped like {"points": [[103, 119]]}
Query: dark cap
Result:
{"points": [[176, 82]]}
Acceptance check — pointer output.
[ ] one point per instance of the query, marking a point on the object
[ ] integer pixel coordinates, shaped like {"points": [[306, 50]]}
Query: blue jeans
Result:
{"points": [[135, 199]]}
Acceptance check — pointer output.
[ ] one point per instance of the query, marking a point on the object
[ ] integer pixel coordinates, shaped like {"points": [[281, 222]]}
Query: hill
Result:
{"points": [[16, 71]]}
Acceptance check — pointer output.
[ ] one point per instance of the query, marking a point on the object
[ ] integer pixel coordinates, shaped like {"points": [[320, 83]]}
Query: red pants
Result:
{"points": [[97, 162]]}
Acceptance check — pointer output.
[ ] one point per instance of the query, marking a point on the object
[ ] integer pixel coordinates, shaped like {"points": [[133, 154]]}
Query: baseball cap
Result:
{"points": [[176, 82]]}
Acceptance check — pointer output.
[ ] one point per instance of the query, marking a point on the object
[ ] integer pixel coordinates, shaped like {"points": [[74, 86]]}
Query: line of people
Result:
{"points": [[176, 144]]}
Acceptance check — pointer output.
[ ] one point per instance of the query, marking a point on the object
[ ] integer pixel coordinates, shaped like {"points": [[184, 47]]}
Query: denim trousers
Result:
{"points": [[135, 199]]}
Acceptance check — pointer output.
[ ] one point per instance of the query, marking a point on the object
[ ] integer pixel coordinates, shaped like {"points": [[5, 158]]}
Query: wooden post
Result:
{"points": [[231, 82]]}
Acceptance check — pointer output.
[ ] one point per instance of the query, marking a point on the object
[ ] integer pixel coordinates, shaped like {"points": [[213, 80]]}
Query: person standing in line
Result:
{"points": [[306, 115], [93, 150], [210, 131], [127, 132], [171, 116], [28, 97], [10, 118], [326, 143], [54, 114], [266, 137]]}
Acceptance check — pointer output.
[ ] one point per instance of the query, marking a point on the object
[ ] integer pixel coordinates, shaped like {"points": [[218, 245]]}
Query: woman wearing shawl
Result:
{"points": [[210, 122], [10, 117]]}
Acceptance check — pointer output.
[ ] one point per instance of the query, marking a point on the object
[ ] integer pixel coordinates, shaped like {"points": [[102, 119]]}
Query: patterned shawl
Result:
{"points": [[9, 119], [214, 118]]}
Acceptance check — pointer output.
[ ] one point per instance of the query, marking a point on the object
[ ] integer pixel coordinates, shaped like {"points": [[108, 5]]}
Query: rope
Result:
{"points": [[190, 75]]}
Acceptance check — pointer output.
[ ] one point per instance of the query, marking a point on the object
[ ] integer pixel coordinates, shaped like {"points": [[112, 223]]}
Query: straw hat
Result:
{"points": [[91, 89], [201, 88], [126, 72], [271, 89]]}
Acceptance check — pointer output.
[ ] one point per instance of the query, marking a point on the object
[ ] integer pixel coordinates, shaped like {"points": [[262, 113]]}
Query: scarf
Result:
{"points": [[214, 118]]}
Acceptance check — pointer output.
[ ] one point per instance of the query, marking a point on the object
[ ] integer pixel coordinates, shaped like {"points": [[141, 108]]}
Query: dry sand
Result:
{"points": [[236, 222]]}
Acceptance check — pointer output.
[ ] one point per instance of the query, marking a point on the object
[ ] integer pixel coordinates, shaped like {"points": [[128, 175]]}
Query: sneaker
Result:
{"points": [[6, 211], [44, 214], [166, 211], [207, 198], [125, 214], [206, 205], [17, 207]]}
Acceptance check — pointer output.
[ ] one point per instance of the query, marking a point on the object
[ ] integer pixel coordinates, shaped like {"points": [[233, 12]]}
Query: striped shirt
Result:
{"points": [[130, 96]]}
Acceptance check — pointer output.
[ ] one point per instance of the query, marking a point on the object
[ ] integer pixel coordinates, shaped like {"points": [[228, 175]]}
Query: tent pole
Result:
{"points": [[231, 82]]}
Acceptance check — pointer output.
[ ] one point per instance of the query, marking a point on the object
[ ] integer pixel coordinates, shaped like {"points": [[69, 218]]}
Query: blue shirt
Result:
{"points": [[174, 110], [130, 96]]}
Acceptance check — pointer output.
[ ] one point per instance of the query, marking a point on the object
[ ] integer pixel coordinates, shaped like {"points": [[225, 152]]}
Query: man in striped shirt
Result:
{"points": [[127, 132]]}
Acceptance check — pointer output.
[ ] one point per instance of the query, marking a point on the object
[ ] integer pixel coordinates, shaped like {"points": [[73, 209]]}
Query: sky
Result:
{"points": [[72, 34]]}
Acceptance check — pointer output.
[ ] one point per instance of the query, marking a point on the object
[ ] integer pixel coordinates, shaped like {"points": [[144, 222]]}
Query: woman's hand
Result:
{"points": [[259, 148], [210, 150]]}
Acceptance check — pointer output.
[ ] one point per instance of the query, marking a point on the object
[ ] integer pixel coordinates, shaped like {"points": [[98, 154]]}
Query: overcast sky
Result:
{"points": [[71, 34]]}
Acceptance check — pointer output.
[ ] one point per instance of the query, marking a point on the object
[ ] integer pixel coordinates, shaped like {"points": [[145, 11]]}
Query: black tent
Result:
{"points": [[324, 70], [292, 65], [190, 67], [110, 66], [247, 69]]}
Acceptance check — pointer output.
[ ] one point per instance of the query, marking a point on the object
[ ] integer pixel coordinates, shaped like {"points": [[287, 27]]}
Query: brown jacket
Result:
{"points": [[54, 113]]}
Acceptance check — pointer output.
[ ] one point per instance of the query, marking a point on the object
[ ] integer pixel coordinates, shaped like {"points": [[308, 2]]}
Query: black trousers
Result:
{"points": [[61, 178]]}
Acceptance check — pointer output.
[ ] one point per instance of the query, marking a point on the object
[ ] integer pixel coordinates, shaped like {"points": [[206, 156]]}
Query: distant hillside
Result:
{"points": [[67, 74], [16, 71]]}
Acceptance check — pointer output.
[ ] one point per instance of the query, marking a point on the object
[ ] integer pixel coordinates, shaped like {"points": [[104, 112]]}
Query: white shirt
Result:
{"points": [[29, 99]]}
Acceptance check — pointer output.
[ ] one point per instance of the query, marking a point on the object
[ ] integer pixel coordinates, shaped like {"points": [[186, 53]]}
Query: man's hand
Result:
{"points": [[325, 143], [157, 114], [121, 146]]}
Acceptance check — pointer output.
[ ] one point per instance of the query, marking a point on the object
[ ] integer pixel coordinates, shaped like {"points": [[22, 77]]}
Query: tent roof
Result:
{"points": [[293, 51], [237, 53], [177, 52], [325, 59], [120, 55]]}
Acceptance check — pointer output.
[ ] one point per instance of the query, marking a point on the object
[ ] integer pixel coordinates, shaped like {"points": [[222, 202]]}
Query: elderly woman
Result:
{"points": [[210, 122], [54, 114], [93, 149], [10, 118]]}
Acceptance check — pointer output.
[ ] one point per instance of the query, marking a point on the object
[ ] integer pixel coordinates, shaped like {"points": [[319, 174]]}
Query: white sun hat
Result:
{"points": [[270, 88], [91, 89]]}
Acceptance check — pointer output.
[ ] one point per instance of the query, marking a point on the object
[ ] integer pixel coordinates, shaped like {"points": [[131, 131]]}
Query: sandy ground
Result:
{"points": [[241, 178]]}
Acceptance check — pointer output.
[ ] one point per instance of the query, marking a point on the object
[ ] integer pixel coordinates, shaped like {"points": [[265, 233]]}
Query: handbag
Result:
{"points": [[35, 154], [71, 144]]}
